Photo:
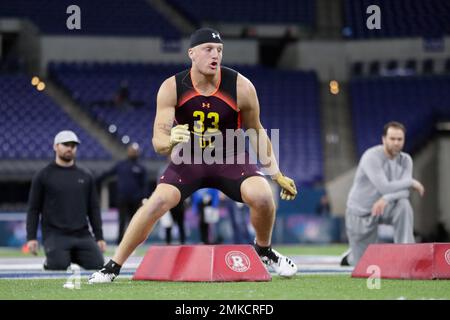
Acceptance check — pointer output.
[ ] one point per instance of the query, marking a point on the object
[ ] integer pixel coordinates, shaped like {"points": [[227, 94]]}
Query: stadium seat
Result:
{"points": [[250, 11], [400, 18], [118, 17], [417, 101], [30, 120]]}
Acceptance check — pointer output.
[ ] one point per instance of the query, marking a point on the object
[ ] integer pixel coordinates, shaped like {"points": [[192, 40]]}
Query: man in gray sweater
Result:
{"points": [[380, 193]]}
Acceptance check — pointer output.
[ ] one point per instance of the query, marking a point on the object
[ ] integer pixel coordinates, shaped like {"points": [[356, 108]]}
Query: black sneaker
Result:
{"points": [[344, 259]]}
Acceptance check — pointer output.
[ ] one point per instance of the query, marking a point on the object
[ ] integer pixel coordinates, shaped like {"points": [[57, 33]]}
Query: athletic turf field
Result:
{"points": [[334, 249], [320, 277], [299, 287]]}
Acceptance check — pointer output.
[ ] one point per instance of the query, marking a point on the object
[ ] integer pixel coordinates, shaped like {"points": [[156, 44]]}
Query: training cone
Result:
{"points": [[208, 263], [405, 261]]}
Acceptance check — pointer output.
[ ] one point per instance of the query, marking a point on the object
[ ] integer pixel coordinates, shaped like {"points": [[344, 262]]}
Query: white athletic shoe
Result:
{"points": [[101, 277], [281, 265]]}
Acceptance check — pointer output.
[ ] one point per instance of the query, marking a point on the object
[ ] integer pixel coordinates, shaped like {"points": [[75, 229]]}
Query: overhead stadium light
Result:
{"points": [[334, 87], [112, 128], [35, 80], [125, 139], [40, 86]]}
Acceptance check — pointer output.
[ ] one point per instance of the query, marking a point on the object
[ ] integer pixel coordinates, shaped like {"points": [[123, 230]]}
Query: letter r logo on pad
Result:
{"points": [[237, 261]]}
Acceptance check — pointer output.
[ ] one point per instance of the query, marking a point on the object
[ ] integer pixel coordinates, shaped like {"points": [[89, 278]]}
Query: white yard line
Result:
{"points": [[31, 268]]}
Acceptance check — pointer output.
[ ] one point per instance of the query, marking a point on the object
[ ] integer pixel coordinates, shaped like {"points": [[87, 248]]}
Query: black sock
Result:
{"points": [[265, 251], [112, 267], [262, 251]]}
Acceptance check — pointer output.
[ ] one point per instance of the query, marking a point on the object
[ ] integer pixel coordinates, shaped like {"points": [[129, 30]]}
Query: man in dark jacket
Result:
{"points": [[131, 186], [63, 196]]}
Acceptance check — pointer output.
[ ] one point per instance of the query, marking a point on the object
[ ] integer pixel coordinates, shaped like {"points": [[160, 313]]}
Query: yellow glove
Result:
{"points": [[179, 133], [288, 188]]}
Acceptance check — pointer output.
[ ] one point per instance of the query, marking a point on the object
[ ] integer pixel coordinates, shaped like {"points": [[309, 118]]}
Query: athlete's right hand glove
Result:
{"points": [[288, 188], [179, 133]]}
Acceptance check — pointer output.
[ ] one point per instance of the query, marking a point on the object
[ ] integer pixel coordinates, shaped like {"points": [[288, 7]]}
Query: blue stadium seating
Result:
{"points": [[289, 100], [399, 18], [99, 17], [249, 11], [29, 121], [416, 101]]}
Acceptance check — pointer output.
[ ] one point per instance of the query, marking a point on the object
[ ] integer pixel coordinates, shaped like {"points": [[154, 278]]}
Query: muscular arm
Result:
{"points": [[165, 115], [249, 106], [371, 165]]}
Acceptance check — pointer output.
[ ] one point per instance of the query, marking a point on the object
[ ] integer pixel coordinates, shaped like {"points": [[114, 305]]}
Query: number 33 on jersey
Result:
{"points": [[211, 115]]}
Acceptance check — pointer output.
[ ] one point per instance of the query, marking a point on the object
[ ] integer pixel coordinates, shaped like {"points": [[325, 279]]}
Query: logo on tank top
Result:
{"points": [[237, 261], [206, 105]]}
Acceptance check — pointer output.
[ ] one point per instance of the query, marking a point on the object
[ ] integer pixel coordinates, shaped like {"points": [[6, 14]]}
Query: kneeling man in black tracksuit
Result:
{"points": [[64, 196]]}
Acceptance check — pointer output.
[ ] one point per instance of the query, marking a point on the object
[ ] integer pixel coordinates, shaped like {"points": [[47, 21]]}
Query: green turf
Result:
{"points": [[300, 287], [328, 249], [334, 249]]}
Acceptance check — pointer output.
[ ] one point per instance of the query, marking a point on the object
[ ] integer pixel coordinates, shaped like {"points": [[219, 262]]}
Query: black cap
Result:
{"points": [[205, 35]]}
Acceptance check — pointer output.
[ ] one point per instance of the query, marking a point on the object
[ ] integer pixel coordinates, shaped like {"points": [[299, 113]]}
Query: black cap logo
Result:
{"points": [[205, 35]]}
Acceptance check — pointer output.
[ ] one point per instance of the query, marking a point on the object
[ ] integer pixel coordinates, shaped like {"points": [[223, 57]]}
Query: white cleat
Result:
{"points": [[284, 267], [101, 277]]}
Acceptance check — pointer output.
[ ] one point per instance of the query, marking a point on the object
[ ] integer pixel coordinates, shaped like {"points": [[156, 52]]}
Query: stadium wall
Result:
{"points": [[338, 190], [426, 209], [129, 49], [333, 59], [444, 181]]}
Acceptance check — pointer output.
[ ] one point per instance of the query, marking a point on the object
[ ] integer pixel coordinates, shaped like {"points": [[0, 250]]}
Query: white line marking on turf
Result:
{"points": [[31, 268]]}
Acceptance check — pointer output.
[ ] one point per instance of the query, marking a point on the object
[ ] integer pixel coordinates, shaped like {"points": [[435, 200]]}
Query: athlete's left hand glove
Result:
{"points": [[288, 188], [179, 133]]}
